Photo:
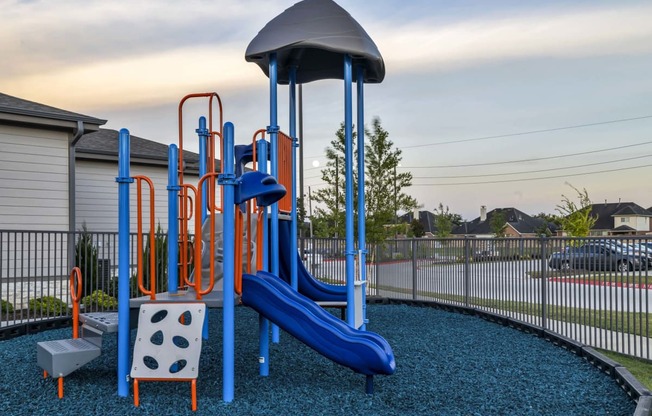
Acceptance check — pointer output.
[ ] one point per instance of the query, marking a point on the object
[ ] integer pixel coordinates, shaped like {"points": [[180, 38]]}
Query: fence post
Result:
{"points": [[467, 271], [414, 269], [377, 267], [544, 280]]}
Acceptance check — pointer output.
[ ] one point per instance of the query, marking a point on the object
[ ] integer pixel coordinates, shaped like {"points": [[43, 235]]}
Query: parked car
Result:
{"points": [[311, 259], [642, 250], [597, 256]]}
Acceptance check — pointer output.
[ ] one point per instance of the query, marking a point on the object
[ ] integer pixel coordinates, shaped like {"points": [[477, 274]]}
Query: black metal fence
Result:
{"points": [[35, 268], [594, 290]]}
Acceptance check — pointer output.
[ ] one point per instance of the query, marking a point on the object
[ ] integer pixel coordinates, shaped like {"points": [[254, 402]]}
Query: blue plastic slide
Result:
{"points": [[362, 351], [308, 285]]}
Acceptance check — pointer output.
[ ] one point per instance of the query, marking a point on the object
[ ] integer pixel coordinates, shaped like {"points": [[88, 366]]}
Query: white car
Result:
{"points": [[311, 259]]}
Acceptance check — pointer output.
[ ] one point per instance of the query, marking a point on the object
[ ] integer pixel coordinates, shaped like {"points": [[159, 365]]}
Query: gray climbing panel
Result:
{"points": [[168, 342]]}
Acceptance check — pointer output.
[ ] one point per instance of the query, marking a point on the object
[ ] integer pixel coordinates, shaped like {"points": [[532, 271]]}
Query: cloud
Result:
{"points": [[42, 35], [145, 79], [586, 33]]}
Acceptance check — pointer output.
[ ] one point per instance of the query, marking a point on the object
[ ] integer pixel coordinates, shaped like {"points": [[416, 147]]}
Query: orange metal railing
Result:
{"points": [[211, 246], [186, 213], [75, 294], [186, 247], [152, 239]]}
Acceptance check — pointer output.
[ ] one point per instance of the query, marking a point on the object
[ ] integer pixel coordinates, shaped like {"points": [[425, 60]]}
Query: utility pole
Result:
{"points": [[310, 209], [301, 194], [337, 193]]}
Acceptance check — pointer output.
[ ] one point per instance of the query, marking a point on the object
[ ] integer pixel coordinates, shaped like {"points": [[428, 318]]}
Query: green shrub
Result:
{"points": [[86, 260], [160, 265], [6, 307], [48, 305], [100, 300]]}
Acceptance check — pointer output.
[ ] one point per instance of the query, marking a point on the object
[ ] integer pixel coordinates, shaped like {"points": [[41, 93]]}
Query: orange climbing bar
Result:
{"points": [[237, 278], [186, 213], [259, 238], [75, 285], [152, 238], [211, 96], [75, 294], [198, 214], [212, 206]]}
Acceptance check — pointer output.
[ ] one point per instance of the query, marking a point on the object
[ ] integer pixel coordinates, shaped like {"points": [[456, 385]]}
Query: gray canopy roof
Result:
{"points": [[315, 35]]}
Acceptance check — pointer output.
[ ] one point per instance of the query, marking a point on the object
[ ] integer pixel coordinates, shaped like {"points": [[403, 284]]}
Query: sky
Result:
{"points": [[501, 103]]}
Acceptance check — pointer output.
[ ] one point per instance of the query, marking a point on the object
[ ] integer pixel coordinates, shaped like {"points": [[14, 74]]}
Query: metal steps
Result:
{"points": [[61, 357]]}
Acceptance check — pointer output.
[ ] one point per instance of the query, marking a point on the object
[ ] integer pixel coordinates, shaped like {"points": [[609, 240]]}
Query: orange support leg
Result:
{"points": [[193, 394], [136, 397], [45, 374], [61, 387]]}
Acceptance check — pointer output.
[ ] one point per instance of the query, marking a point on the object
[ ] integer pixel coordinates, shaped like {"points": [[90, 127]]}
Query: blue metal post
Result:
{"points": [[227, 180], [273, 129], [348, 174], [362, 247], [173, 219], [263, 323], [203, 133], [123, 180], [294, 279]]}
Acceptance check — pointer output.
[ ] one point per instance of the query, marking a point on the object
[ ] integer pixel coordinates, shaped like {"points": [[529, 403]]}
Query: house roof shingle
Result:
{"points": [[103, 144], [426, 218], [606, 211], [520, 221], [19, 106]]}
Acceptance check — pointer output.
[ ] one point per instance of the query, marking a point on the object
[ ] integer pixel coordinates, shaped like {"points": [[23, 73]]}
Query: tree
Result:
{"points": [[383, 184], [549, 218], [498, 223], [417, 228], [444, 221], [550, 222], [330, 215], [575, 218]]}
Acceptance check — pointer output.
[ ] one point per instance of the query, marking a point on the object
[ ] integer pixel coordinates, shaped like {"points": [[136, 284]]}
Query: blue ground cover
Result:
{"points": [[447, 364]]}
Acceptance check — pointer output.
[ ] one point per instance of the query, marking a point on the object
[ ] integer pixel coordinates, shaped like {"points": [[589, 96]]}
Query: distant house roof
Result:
{"points": [[520, 221], [103, 145], [605, 213], [624, 228], [22, 110], [426, 218]]}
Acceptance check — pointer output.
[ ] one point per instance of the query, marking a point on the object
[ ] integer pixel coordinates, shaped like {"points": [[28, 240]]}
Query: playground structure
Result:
{"points": [[254, 254]]}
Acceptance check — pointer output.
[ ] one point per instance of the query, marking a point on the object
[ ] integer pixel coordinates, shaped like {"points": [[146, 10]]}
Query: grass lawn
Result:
{"points": [[636, 323], [640, 368]]}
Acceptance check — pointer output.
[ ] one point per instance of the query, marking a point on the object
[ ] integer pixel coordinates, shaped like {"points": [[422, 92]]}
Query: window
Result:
{"points": [[624, 219]]}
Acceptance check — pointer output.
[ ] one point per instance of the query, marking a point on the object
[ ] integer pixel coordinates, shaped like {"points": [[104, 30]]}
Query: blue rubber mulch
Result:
{"points": [[447, 364]]}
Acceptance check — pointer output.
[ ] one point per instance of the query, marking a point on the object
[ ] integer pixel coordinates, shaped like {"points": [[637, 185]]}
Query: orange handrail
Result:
{"points": [[198, 204], [152, 240], [237, 278], [185, 215], [75, 294], [259, 239], [211, 168], [211, 96], [249, 236]]}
